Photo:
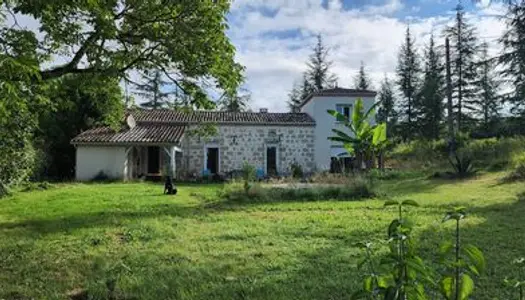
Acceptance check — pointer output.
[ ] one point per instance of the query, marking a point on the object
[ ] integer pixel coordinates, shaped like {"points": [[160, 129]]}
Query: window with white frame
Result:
{"points": [[344, 109]]}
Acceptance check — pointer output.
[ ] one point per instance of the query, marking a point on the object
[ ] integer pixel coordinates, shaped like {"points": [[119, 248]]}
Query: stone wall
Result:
{"points": [[247, 143]]}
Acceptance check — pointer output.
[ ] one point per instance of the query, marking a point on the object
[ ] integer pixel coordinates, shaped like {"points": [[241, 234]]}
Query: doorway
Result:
{"points": [[212, 160], [271, 160], [153, 160]]}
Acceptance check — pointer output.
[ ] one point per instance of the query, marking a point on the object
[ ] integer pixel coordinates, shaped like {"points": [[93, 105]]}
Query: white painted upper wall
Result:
{"points": [[91, 160], [317, 107]]}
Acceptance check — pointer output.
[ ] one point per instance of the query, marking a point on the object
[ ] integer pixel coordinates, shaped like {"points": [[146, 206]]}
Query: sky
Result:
{"points": [[275, 37]]}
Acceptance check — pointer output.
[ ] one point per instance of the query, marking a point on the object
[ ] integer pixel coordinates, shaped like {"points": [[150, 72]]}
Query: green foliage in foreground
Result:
{"points": [[489, 154], [129, 237]]}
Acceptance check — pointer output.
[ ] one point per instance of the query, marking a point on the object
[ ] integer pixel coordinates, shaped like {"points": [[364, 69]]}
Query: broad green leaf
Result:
{"points": [[466, 287], [391, 293], [447, 287], [445, 247], [390, 203], [410, 203], [367, 284], [349, 149], [382, 282], [338, 116], [357, 112], [393, 227], [475, 255], [379, 134]]}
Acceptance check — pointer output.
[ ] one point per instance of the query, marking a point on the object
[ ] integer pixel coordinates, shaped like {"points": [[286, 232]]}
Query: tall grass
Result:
{"points": [[488, 154], [356, 189]]}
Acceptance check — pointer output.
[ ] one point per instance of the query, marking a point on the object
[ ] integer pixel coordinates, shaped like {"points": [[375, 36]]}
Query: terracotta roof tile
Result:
{"points": [[139, 134], [220, 117]]}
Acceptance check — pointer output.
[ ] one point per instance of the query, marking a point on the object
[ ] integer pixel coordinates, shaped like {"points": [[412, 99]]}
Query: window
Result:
{"points": [[344, 109]]}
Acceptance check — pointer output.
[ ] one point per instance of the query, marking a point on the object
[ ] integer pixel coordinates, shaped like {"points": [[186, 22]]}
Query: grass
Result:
{"points": [[77, 237]]}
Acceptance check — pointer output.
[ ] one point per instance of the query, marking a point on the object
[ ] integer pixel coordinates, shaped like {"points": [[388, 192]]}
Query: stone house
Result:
{"points": [[153, 143]]}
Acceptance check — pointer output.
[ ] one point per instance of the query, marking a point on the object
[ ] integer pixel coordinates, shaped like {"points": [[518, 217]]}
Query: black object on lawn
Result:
{"points": [[169, 189]]}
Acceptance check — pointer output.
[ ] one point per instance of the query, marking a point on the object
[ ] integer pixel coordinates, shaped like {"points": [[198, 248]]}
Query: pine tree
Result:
{"points": [[464, 47], [361, 80], [487, 104], [294, 98], [387, 112], [318, 72], [513, 57], [152, 90], [430, 97], [235, 103], [408, 72]]}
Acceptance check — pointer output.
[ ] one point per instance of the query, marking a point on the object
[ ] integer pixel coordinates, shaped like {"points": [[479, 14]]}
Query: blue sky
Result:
{"points": [[274, 37]]}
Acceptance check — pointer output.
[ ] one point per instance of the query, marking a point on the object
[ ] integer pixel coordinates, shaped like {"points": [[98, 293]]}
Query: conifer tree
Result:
{"points": [[152, 90], [464, 47], [318, 72], [430, 103], [408, 73], [513, 57], [362, 81], [488, 101], [386, 112]]}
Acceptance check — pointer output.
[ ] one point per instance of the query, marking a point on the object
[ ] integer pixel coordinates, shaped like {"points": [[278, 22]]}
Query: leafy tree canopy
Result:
{"points": [[185, 39]]}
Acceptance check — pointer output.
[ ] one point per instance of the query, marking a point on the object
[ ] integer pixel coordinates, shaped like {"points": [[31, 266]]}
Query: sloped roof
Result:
{"points": [[342, 92], [220, 117], [167, 126], [141, 134]]}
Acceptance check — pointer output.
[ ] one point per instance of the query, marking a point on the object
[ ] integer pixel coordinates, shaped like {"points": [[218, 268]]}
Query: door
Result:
{"points": [[212, 163], [271, 160], [153, 160]]}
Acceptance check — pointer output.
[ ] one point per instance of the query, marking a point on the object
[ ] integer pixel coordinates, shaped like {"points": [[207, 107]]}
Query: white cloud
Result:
{"points": [[275, 58]]}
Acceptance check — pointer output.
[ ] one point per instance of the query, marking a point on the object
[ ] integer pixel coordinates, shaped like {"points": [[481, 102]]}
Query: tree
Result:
{"points": [[387, 112], [513, 57], [488, 87], [295, 98], [408, 72], [430, 96], [464, 45], [318, 72], [366, 140], [362, 81], [18, 108], [153, 90], [77, 103], [298, 93], [185, 39], [235, 103]]}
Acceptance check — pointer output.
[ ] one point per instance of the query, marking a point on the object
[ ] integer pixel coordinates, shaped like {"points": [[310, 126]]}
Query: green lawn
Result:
{"points": [[77, 236]]}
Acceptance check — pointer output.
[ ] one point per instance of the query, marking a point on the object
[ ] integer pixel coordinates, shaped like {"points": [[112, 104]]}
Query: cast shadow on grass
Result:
{"points": [[326, 270], [500, 237], [98, 219]]}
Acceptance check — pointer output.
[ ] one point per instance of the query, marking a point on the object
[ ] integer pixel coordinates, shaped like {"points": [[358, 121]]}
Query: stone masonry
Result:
{"points": [[247, 143]]}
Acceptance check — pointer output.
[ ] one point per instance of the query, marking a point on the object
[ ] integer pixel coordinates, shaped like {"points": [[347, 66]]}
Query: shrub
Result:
{"points": [[518, 168], [491, 153], [17, 162], [297, 170], [333, 178], [358, 189], [248, 175], [36, 186], [393, 174]]}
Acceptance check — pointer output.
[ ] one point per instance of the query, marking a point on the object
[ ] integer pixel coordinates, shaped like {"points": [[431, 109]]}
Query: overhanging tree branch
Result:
{"points": [[71, 67]]}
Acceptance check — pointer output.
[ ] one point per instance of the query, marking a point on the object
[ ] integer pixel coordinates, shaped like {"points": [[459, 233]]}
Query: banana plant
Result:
{"points": [[365, 140]]}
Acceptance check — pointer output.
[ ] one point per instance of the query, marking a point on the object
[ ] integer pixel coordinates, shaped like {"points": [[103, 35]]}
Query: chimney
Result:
{"points": [[263, 110]]}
